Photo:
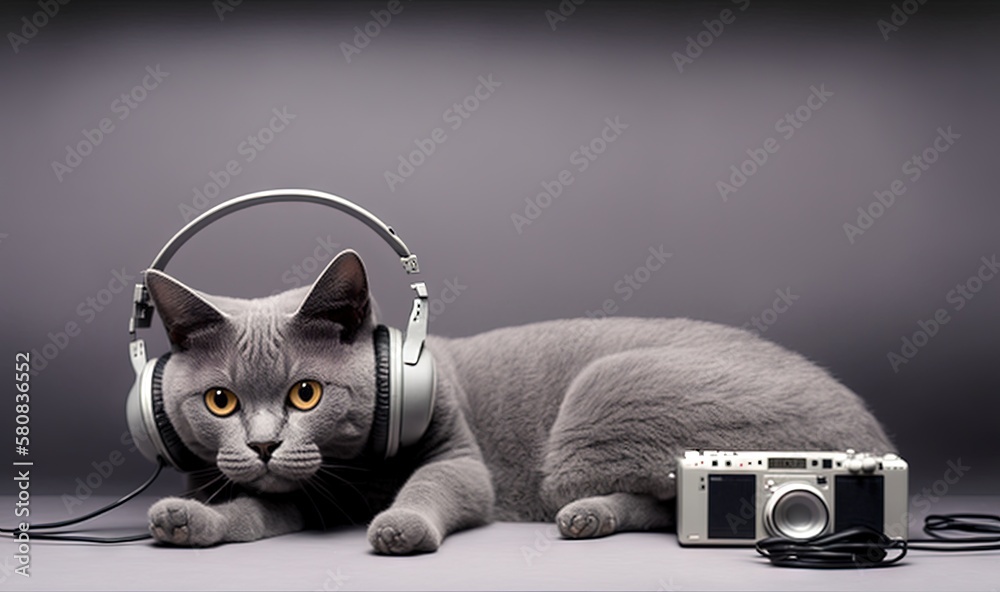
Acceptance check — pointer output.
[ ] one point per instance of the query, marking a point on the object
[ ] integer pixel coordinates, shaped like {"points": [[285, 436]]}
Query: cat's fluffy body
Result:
{"points": [[565, 407], [578, 421]]}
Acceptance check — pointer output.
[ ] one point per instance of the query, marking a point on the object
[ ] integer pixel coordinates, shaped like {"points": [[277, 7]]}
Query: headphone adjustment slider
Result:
{"points": [[142, 312], [137, 355], [416, 328], [410, 264]]}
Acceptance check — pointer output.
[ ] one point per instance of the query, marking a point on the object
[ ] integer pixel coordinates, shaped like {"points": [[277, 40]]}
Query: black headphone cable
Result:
{"points": [[864, 547], [68, 536]]}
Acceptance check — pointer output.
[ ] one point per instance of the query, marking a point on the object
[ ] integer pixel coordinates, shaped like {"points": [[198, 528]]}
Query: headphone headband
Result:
{"points": [[142, 312], [286, 195]]}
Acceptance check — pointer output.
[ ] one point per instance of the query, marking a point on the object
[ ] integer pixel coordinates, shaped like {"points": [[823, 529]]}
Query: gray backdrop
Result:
{"points": [[69, 226]]}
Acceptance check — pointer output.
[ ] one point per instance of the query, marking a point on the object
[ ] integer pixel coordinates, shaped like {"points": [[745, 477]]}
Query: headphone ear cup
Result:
{"points": [[173, 449], [138, 414], [416, 398], [379, 438]]}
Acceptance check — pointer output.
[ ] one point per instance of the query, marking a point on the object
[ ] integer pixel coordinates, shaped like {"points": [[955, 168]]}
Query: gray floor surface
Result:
{"points": [[500, 556]]}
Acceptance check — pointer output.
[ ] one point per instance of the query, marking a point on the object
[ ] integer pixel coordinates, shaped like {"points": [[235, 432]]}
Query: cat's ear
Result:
{"points": [[182, 309], [340, 295]]}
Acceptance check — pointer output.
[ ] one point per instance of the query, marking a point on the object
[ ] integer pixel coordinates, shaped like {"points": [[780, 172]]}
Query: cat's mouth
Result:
{"points": [[265, 480], [271, 483], [278, 474]]}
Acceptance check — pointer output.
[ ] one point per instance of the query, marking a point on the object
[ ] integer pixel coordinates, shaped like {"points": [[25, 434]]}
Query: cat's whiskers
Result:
{"points": [[203, 470], [327, 471], [347, 467], [313, 502], [327, 495], [218, 491], [203, 486]]}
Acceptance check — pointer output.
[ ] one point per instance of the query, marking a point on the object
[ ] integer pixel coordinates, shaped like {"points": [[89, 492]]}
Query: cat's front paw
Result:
{"points": [[186, 523], [401, 532], [586, 519]]}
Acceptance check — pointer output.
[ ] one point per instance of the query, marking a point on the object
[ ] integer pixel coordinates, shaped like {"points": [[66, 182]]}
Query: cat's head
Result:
{"points": [[266, 388]]}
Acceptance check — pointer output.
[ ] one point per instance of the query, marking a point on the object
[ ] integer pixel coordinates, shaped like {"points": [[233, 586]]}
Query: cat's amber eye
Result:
{"points": [[305, 395], [221, 402]]}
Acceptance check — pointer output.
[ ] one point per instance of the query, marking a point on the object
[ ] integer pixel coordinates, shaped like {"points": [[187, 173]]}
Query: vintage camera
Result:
{"points": [[738, 498]]}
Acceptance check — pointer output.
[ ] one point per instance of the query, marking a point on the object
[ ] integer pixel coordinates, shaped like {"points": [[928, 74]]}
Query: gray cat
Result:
{"points": [[577, 421]]}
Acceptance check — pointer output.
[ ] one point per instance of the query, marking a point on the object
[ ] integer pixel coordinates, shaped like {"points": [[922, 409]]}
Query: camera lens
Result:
{"points": [[796, 511]]}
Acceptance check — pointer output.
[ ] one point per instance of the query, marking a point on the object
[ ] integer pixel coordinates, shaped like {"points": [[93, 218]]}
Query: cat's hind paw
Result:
{"points": [[402, 532], [586, 518], [185, 523]]}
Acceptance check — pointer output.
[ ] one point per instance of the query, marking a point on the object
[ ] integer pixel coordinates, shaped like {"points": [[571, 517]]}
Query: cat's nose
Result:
{"points": [[264, 449]]}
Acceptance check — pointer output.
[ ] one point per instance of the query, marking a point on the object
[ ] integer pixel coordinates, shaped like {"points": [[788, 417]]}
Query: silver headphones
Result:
{"points": [[404, 370]]}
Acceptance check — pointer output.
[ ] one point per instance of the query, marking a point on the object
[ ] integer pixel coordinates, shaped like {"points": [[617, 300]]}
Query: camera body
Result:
{"points": [[738, 498]]}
